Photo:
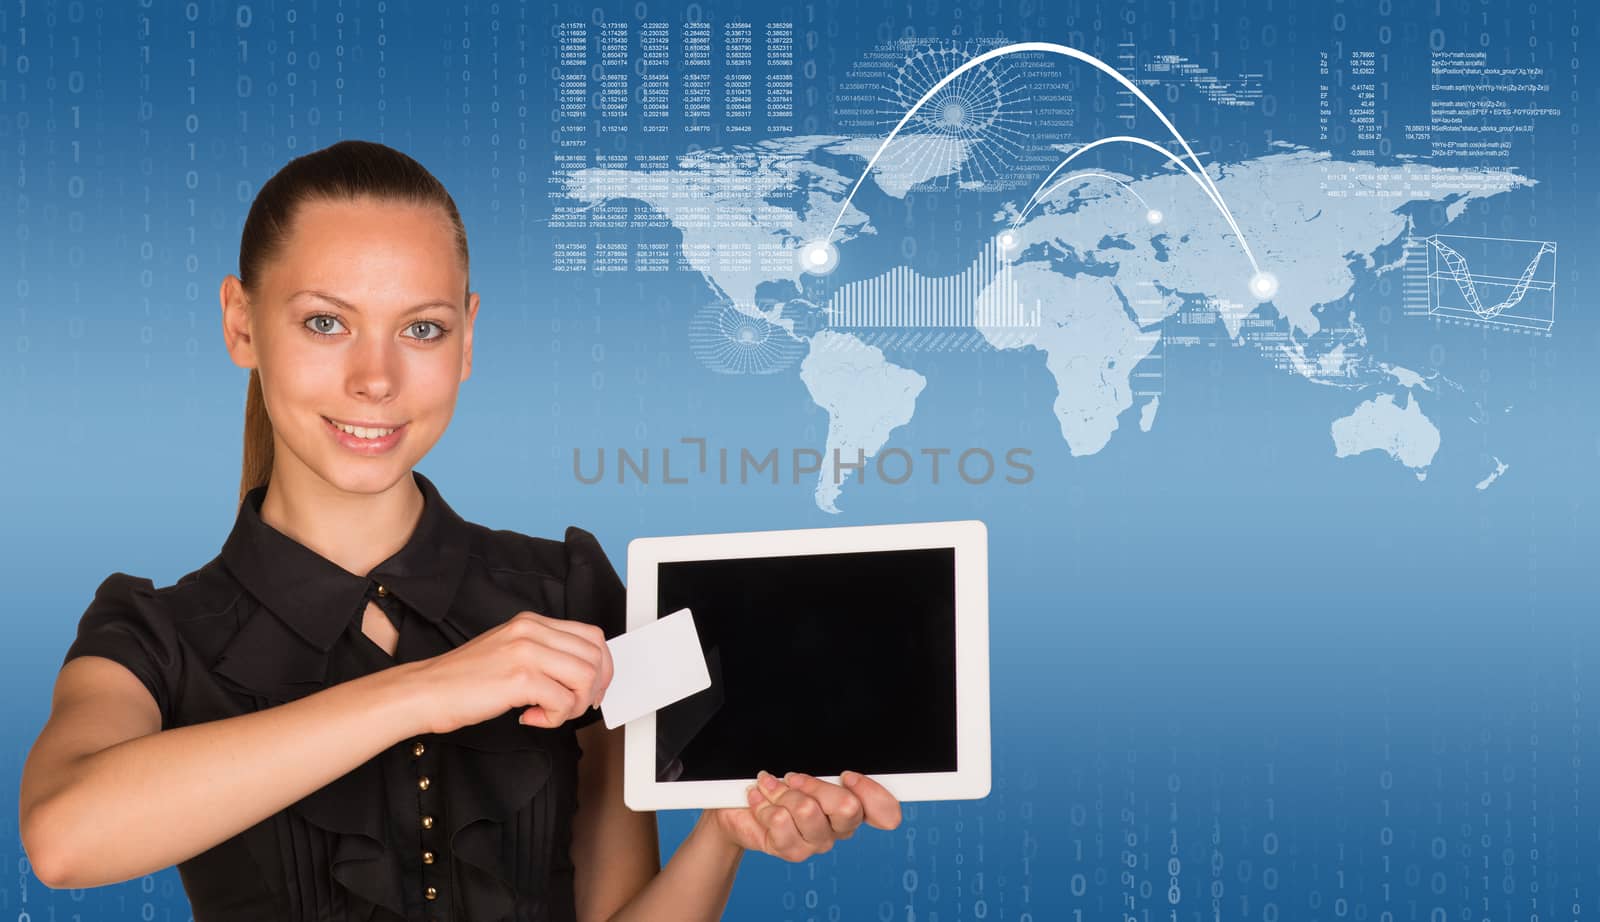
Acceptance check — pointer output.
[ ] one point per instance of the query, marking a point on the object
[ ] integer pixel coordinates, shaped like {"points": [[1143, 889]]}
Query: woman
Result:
{"points": [[417, 742]]}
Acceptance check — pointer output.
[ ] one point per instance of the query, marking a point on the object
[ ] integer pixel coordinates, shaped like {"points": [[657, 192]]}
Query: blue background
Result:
{"points": [[1233, 676]]}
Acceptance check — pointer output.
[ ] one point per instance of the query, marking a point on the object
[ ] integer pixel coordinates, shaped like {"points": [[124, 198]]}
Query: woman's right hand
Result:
{"points": [[557, 666]]}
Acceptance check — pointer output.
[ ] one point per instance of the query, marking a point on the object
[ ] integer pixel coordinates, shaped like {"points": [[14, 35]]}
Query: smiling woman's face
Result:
{"points": [[357, 321]]}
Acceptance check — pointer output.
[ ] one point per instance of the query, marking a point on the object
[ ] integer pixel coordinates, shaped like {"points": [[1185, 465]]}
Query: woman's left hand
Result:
{"points": [[798, 815]]}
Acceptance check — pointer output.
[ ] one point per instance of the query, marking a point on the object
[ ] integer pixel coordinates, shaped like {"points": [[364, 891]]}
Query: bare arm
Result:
{"points": [[616, 855], [615, 851], [107, 796], [696, 882]]}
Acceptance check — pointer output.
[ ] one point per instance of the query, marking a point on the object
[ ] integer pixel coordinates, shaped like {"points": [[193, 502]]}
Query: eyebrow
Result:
{"points": [[356, 310]]}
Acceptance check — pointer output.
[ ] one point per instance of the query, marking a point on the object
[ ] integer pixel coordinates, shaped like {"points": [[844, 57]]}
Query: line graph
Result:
{"points": [[1495, 280]]}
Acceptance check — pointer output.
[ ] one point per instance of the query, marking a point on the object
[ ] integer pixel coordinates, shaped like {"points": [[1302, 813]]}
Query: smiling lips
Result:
{"points": [[363, 430], [367, 440]]}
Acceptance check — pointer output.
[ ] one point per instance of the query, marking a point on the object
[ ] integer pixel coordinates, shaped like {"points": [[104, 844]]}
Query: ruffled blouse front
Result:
{"points": [[474, 824]]}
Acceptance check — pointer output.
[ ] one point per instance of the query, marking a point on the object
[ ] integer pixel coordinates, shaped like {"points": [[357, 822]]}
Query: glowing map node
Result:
{"points": [[819, 257]]}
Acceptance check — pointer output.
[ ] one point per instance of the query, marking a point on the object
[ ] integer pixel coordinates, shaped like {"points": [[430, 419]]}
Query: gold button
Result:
{"points": [[382, 590], [423, 782], [431, 893], [427, 857], [417, 748], [427, 822]]}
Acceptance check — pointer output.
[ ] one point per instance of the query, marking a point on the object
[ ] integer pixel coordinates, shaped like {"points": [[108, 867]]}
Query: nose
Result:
{"points": [[374, 368]]}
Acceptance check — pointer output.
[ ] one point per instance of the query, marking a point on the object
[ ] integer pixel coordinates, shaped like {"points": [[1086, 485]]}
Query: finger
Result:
{"points": [[747, 828], [571, 636], [572, 671], [581, 639], [552, 703], [842, 806], [764, 780], [607, 670], [809, 819], [603, 670], [778, 829], [882, 809], [780, 836], [590, 634]]}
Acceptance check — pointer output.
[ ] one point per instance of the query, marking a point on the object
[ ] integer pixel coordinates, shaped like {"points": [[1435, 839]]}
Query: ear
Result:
{"points": [[236, 322], [466, 338]]}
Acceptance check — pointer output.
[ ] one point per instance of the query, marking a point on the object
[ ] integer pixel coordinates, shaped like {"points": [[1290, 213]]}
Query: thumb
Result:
{"points": [[534, 716]]}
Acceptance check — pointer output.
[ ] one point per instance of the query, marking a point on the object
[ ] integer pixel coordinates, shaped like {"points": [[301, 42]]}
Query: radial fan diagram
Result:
{"points": [[978, 131], [729, 341]]}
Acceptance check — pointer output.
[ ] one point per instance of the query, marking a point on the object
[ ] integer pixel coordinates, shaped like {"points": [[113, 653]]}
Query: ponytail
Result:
{"points": [[257, 438]]}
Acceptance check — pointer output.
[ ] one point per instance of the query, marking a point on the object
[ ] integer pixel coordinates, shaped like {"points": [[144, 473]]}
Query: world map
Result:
{"points": [[1104, 271]]}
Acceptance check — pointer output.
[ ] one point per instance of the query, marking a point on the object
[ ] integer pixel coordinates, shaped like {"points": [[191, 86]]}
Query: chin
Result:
{"points": [[368, 479], [365, 475]]}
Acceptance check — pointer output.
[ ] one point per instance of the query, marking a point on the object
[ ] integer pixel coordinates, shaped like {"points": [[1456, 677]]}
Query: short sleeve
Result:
{"points": [[594, 594], [125, 622]]}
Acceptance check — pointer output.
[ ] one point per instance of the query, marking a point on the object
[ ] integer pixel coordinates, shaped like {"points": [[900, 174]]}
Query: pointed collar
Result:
{"points": [[316, 598]]}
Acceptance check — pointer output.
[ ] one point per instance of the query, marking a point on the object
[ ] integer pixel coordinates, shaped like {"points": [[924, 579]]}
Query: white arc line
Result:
{"points": [[1116, 139], [1201, 179], [1051, 48], [1076, 176]]}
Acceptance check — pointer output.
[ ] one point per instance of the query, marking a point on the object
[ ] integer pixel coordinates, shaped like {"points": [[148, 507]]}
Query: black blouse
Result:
{"points": [[473, 824]]}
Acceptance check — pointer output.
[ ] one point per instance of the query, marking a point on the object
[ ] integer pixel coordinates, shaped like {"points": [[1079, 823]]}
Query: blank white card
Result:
{"points": [[654, 666]]}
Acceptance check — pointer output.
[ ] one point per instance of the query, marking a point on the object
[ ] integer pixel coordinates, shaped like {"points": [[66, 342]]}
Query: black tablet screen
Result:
{"points": [[819, 663]]}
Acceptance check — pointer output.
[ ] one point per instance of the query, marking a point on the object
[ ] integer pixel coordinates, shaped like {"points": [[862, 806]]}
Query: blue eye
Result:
{"points": [[430, 323], [311, 321]]}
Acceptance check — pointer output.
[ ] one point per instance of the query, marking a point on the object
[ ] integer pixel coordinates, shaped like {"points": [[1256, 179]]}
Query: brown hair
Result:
{"points": [[339, 172]]}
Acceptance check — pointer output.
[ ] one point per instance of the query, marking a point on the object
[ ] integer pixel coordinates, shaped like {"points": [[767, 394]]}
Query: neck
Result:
{"points": [[357, 531]]}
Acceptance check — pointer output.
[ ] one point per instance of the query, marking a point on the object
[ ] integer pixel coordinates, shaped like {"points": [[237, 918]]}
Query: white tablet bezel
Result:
{"points": [[969, 537]]}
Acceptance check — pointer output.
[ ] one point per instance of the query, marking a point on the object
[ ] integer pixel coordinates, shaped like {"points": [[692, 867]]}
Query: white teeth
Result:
{"points": [[363, 433]]}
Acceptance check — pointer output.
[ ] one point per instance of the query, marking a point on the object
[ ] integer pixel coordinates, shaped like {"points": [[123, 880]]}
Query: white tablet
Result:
{"points": [[862, 648]]}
